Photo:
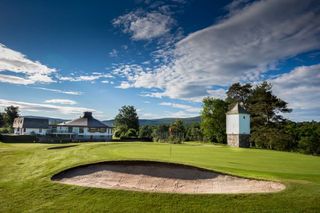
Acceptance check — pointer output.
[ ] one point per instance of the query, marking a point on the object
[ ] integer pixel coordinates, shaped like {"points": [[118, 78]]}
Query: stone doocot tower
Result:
{"points": [[238, 127]]}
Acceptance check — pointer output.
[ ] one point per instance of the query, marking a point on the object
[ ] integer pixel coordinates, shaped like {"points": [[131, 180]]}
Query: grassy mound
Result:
{"points": [[26, 169]]}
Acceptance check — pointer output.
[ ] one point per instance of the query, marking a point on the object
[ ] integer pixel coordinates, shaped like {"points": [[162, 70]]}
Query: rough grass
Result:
{"points": [[26, 169]]}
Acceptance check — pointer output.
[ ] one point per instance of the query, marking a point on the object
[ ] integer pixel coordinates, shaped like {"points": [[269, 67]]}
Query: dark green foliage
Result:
{"points": [[238, 93], [131, 133], [10, 113], [309, 137], [177, 132], [2, 122], [120, 131], [194, 133], [126, 119], [7, 117], [265, 107], [213, 120], [160, 121], [160, 133], [145, 132], [271, 138]]}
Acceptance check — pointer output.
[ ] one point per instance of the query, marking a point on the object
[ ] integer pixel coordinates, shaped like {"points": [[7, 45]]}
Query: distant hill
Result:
{"points": [[155, 122]]}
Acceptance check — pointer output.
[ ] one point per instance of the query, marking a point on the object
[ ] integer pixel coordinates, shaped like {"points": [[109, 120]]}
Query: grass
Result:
{"points": [[26, 169]]}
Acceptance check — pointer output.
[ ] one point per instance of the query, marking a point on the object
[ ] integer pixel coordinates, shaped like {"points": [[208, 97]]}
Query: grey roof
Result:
{"points": [[237, 109], [85, 121], [31, 122]]}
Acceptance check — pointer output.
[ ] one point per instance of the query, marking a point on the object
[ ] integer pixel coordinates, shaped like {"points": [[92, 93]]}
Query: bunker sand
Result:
{"points": [[161, 177]]}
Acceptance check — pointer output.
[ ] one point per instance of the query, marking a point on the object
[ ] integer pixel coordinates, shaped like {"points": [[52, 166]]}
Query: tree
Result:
{"points": [[238, 93], [10, 113], [161, 133], [309, 141], [213, 119], [120, 131], [126, 119], [177, 131], [145, 132], [1, 119], [131, 133], [265, 107], [194, 133], [272, 138]]}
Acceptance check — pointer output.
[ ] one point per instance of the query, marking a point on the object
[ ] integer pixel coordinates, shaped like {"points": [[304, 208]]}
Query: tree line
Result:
{"points": [[269, 128]]}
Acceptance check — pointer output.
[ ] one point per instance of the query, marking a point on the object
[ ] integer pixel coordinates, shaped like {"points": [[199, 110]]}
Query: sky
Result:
{"points": [[60, 58]]}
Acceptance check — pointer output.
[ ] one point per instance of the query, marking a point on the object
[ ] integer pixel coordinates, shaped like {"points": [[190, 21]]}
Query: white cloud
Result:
{"points": [[301, 89], [94, 76], [60, 101], [143, 25], [185, 107], [59, 91], [113, 53], [36, 107], [245, 44], [13, 62]]}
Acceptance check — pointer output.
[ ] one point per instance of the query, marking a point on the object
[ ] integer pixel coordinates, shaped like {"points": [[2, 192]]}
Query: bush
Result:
{"points": [[5, 130], [131, 133], [120, 131], [145, 132], [310, 145]]}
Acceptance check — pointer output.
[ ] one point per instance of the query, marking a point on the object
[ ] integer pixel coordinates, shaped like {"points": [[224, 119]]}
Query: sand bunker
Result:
{"points": [[161, 177]]}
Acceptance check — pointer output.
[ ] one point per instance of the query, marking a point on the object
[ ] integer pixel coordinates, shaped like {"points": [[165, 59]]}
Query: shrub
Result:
{"points": [[131, 133]]}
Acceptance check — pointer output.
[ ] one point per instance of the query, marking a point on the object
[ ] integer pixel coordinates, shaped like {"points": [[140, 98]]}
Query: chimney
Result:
{"points": [[87, 114]]}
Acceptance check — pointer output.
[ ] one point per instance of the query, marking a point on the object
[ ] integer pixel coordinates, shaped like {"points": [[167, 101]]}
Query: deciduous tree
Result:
{"points": [[213, 119]]}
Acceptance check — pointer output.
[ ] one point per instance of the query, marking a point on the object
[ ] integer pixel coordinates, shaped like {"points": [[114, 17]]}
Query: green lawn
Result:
{"points": [[25, 171]]}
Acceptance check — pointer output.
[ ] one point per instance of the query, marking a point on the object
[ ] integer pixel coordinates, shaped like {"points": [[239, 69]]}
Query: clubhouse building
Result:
{"points": [[85, 128]]}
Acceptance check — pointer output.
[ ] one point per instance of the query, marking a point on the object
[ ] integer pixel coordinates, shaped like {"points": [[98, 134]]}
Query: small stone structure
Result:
{"points": [[237, 140], [238, 127]]}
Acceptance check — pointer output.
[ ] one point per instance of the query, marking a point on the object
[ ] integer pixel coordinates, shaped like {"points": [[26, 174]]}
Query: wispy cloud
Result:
{"points": [[60, 101], [142, 25], [113, 53], [15, 63], [59, 91], [37, 107], [241, 47], [185, 107], [300, 88], [90, 77]]}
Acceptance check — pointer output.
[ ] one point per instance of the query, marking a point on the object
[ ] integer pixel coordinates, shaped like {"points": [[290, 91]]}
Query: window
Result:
{"points": [[244, 117], [54, 129], [81, 130], [40, 130], [93, 130], [102, 130], [70, 129]]}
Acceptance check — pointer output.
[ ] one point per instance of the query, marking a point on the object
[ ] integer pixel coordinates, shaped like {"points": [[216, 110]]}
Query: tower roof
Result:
{"points": [[237, 109]]}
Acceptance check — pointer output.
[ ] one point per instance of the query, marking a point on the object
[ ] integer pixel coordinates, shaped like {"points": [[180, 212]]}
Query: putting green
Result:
{"points": [[26, 169]]}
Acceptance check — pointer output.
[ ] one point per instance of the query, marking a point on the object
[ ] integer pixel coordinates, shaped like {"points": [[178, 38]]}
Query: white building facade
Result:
{"points": [[238, 127], [30, 126], [85, 128]]}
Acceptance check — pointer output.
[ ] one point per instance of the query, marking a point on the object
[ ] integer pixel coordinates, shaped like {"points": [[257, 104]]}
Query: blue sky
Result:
{"points": [[59, 58]]}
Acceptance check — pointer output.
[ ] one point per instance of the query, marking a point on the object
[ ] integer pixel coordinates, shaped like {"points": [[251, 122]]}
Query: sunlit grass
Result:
{"points": [[26, 169]]}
